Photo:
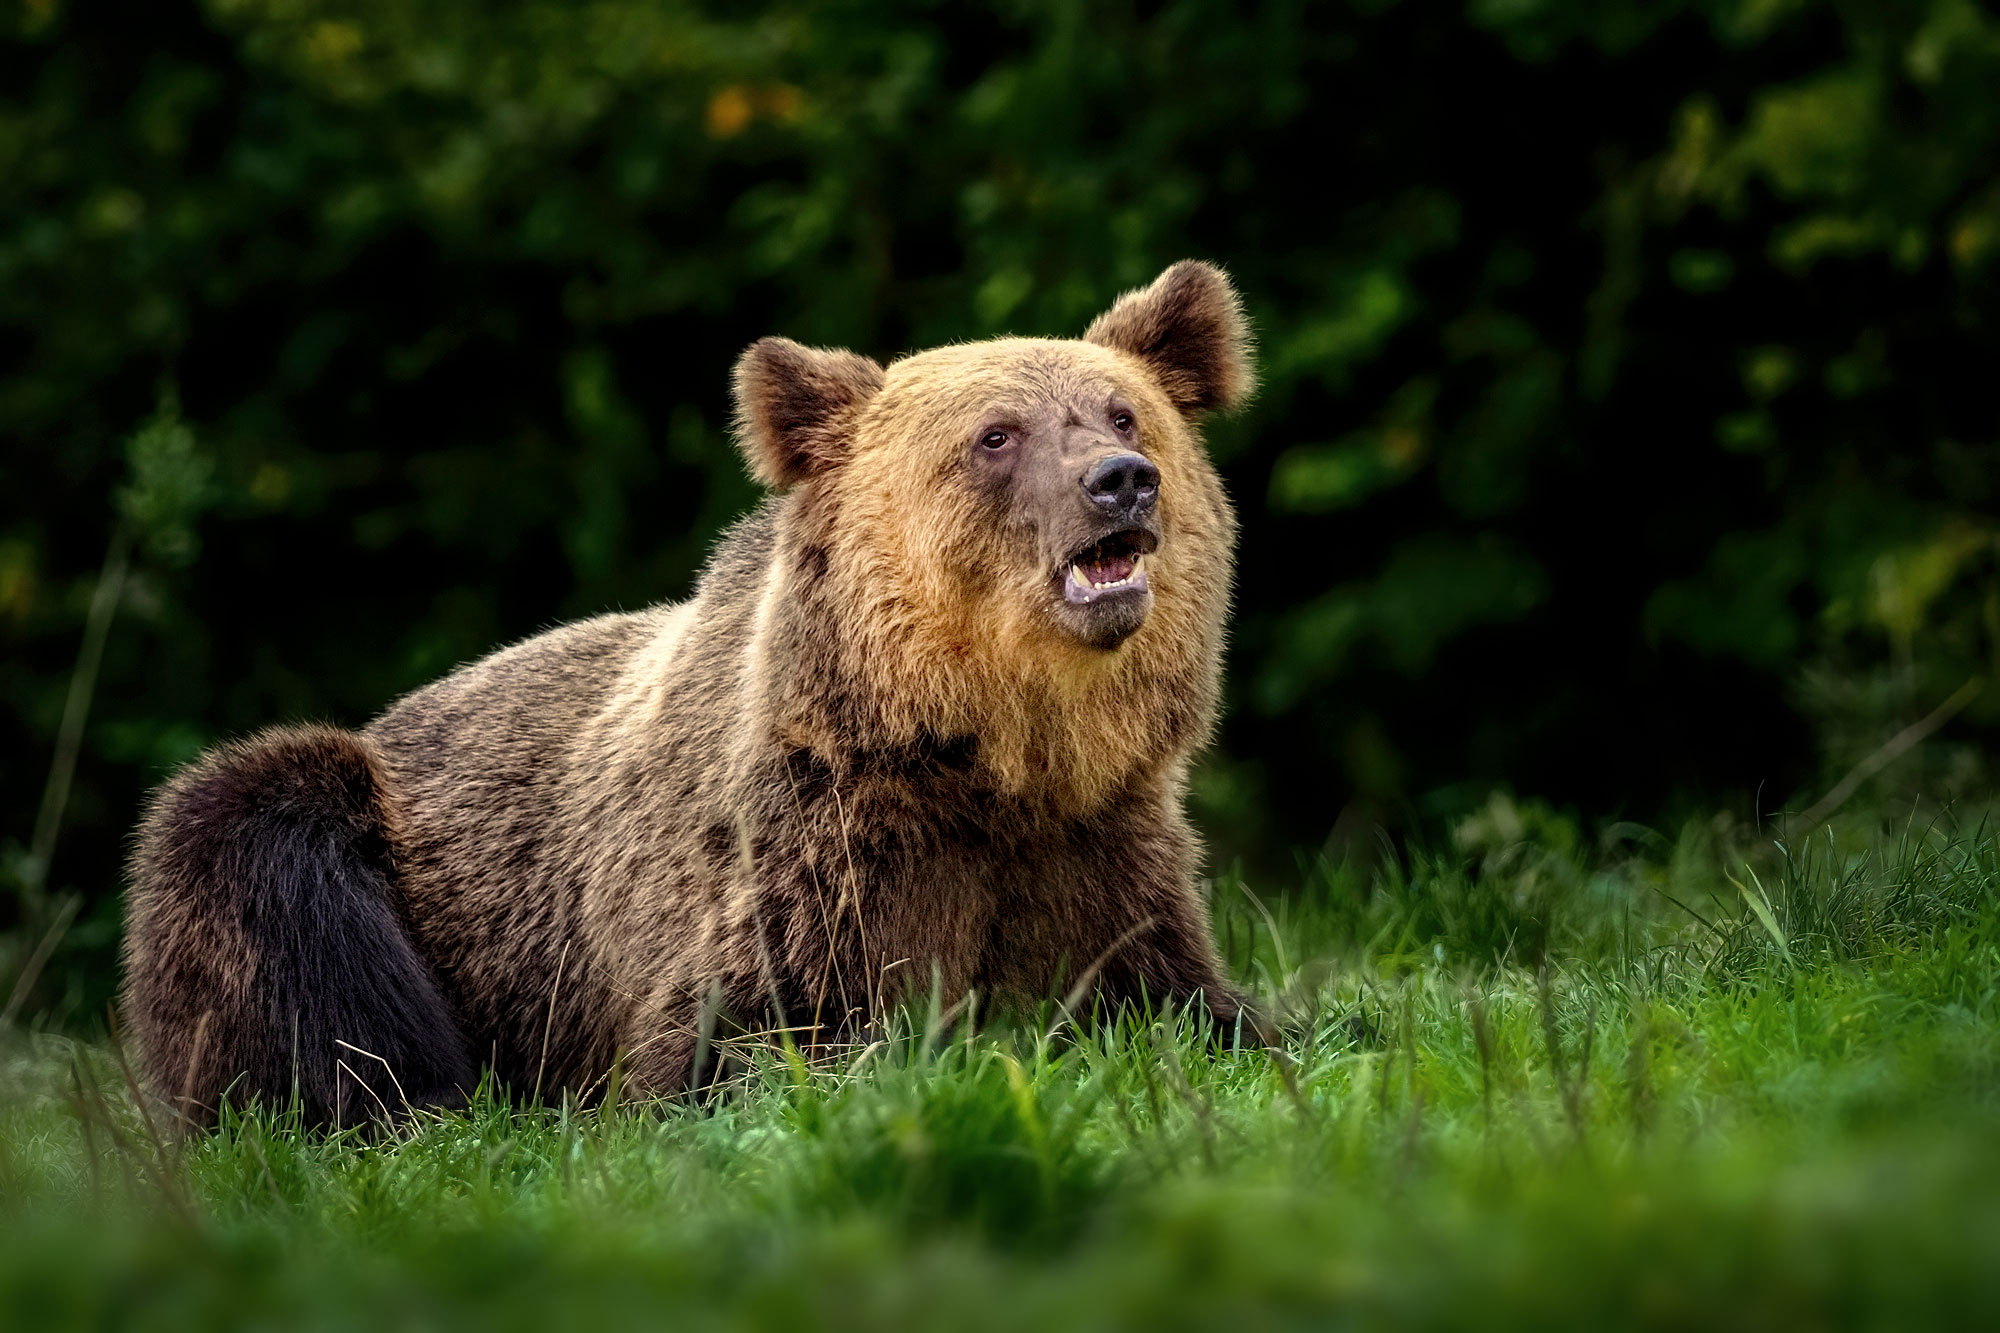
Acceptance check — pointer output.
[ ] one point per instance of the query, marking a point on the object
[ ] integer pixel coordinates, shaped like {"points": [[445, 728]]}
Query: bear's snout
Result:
{"points": [[1123, 486]]}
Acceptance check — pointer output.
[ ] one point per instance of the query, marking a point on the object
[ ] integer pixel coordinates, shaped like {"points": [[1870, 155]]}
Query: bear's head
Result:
{"points": [[1021, 541]]}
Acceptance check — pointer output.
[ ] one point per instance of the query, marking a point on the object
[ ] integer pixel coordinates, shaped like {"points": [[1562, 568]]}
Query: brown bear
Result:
{"points": [[925, 723]]}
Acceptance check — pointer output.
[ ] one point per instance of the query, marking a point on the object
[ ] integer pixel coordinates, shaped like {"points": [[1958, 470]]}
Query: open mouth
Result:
{"points": [[1107, 568]]}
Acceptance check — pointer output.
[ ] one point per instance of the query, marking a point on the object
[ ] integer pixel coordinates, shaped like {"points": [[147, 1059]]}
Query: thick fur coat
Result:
{"points": [[924, 723]]}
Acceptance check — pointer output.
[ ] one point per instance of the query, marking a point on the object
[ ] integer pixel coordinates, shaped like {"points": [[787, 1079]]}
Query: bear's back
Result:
{"points": [[509, 719]]}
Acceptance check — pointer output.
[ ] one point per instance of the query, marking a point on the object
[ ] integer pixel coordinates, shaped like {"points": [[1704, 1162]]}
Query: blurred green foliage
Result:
{"points": [[1627, 434]]}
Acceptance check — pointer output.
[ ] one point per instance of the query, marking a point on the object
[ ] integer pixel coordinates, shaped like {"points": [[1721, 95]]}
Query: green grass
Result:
{"points": [[1529, 1085]]}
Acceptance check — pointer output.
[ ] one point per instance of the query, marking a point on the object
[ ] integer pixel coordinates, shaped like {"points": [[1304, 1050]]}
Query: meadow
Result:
{"points": [[1730, 1079]]}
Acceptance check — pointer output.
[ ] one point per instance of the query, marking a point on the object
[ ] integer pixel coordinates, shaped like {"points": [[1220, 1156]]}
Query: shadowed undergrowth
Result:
{"points": [[1524, 1085]]}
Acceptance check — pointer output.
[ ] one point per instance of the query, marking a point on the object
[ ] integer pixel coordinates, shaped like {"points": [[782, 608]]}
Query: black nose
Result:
{"points": [[1123, 484]]}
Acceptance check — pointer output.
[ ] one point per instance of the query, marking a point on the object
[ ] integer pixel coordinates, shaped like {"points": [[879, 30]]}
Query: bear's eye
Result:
{"points": [[1123, 422], [994, 439]]}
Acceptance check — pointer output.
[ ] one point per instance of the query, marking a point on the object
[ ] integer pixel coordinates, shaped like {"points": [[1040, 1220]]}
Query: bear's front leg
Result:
{"points": [[1109, 916], [1169, 957]]}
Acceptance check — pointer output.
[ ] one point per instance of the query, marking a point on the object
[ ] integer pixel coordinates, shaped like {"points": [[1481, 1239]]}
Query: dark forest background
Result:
{"points": [[1628, 439]]}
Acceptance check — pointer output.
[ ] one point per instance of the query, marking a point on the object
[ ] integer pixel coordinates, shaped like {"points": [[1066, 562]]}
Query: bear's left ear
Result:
{"points": [[1188, 328], [795, 407]]}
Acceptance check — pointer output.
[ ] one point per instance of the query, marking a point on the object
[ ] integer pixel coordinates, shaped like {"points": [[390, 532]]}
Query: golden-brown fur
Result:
{"points": [[871, 755]]}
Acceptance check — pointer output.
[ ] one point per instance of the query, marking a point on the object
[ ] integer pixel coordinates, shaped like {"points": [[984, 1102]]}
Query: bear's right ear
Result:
{"points": [[795, 407]]}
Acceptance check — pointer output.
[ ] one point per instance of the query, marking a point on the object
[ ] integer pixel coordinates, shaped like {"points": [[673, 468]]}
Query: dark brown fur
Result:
{"points": [[862, 761]]}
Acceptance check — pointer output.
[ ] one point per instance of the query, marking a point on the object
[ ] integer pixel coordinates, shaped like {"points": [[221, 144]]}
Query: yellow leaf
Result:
{"points": [[729, 112]]}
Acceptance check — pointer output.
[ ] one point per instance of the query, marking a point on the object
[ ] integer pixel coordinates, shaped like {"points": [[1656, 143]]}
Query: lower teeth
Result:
{"points": [[1095, 586]]}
